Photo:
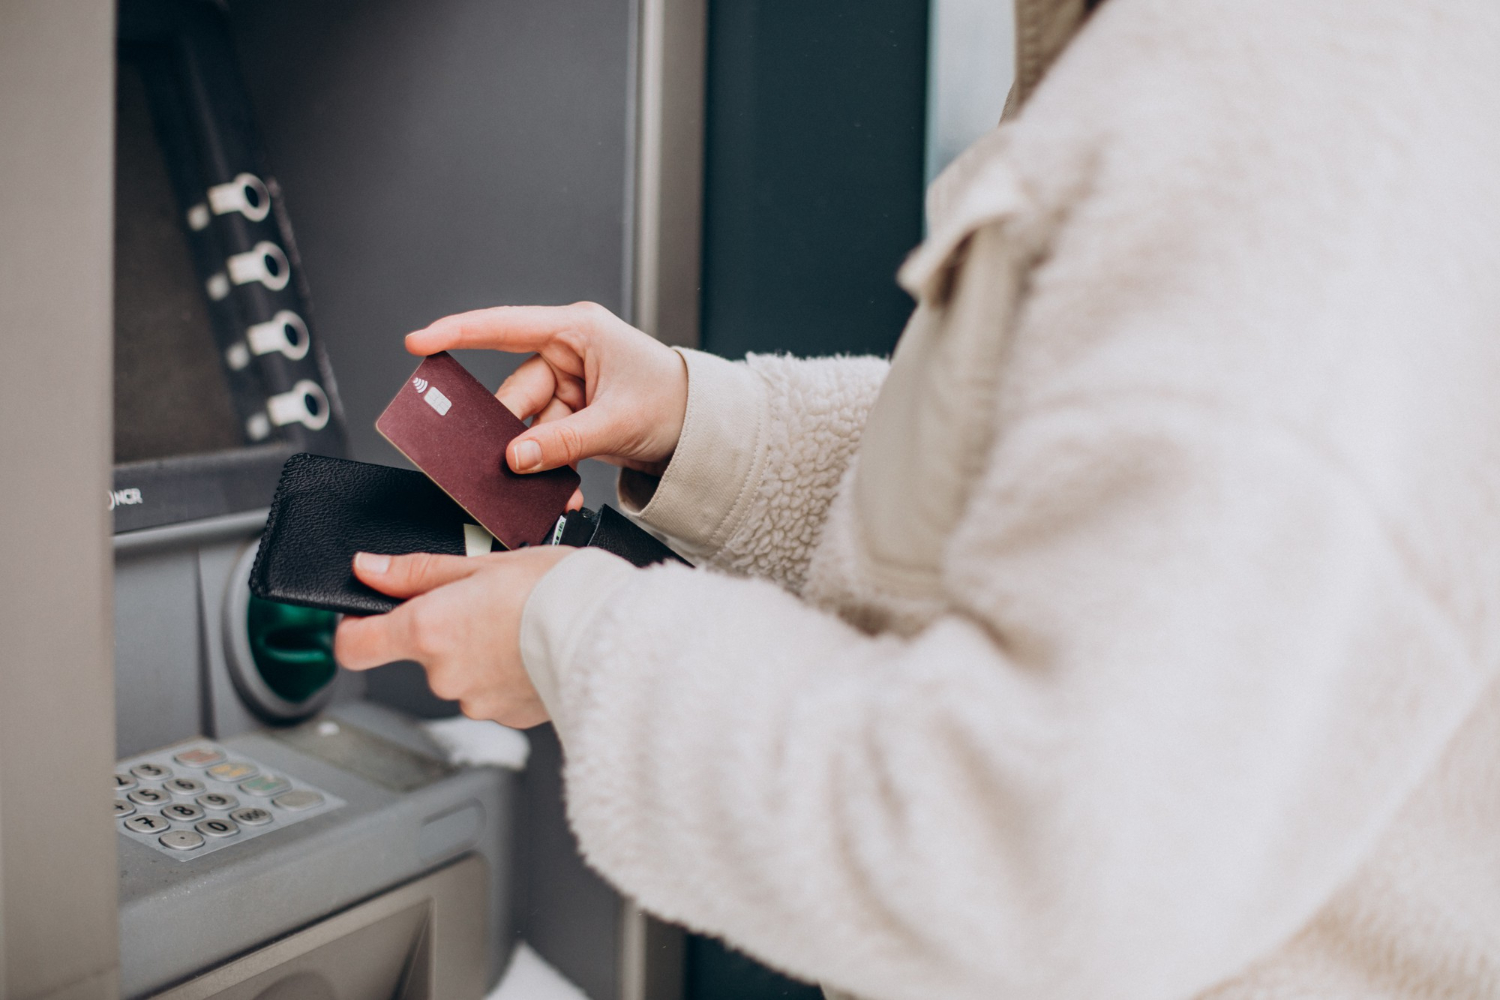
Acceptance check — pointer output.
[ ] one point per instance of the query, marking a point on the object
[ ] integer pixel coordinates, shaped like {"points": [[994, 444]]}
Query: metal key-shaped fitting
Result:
{"points": [[246, 194], [284, 333], [306, 404], [265, 263]]}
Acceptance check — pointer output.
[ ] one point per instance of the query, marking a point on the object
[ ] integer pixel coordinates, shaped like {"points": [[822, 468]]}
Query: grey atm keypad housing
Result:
{"points": [[172, 913]]}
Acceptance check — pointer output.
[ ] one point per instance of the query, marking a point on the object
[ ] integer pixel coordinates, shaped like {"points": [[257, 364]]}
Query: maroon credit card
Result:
{"points": [[453, 429]]}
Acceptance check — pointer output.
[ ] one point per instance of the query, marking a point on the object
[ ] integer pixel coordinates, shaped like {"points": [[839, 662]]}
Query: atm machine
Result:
{"points": [[279, 836], [283, 831]]}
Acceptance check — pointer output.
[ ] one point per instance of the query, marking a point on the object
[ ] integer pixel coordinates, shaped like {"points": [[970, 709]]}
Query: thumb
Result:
{"points": [[410, 575], [565, 441]]}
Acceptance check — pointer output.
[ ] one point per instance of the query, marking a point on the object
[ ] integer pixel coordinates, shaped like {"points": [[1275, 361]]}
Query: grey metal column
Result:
{"points": [[57, 845], [671, 41]]}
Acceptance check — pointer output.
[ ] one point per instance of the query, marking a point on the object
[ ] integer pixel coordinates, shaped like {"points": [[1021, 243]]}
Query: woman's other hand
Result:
{"points": [[597, 386], [462, 622]]}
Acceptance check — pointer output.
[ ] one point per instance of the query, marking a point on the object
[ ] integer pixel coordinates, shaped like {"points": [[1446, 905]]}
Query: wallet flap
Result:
{"points": [[327, 509]]}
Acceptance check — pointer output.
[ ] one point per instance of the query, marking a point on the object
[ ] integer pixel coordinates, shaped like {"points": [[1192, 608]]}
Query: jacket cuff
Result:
{"points": [[560, 610], [705, 493]]}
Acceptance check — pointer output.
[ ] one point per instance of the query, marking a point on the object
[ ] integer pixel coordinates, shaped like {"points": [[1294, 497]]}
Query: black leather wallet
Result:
{"points": [[327, 509]]}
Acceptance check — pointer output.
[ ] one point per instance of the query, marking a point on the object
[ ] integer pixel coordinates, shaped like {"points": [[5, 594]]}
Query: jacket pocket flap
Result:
{"points": [[992, 194]]}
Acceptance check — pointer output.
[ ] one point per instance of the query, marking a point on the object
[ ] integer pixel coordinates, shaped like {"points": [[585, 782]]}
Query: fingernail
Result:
{"points": [[528, 455], [372, 563]]}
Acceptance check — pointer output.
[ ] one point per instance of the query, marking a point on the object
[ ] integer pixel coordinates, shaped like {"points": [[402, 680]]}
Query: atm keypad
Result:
{"points": [[194, 809]]}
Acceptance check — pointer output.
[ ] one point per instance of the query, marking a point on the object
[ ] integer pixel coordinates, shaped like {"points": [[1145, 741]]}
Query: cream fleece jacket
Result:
{"points": [[1136, 635]]}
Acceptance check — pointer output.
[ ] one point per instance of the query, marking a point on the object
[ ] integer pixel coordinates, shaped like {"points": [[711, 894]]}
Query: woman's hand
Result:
{"points": [[598, 387], [462, 623]]}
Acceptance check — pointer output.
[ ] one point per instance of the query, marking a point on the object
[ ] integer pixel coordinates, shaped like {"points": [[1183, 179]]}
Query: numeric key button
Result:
{"points": [[124, 782], [217, 828], [251, 816], [151, 772], [183, 812], [123, 809], [217, 800], [184, 786], [147, 824], [148, 796], [181, 840]]}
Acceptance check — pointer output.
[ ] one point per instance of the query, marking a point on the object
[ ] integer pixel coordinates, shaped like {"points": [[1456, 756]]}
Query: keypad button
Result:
{"points": [[234, 770], [146, 823], [124, 782], [252, 816], [184, 786], [123, 809], [151, 772], [217, 827], [298, 800], [181, 840], [217, 800], [148, 797], [199, 757], [265, 785], [183, 812]]}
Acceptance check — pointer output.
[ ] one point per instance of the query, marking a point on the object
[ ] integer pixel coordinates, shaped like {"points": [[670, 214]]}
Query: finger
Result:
{"points": [[555, 409], [566, 441], [363, 643], [409, 575], [529, 388], [505, 328], [570, 389]]}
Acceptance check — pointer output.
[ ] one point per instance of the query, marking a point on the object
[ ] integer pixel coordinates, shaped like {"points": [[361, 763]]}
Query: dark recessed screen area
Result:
{"points": [[171, 396]]}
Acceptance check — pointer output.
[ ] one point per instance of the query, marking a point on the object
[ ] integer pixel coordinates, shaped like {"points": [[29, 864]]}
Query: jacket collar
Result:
{"points": [[1043, 30]]}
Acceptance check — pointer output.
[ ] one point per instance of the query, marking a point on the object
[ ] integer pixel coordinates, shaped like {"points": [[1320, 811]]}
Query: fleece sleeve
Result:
{"points": [[1119, 777], [764, 444]]}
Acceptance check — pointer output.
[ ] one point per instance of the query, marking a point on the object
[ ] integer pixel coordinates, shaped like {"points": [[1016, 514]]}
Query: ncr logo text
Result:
{"points": [[128, 497]]}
